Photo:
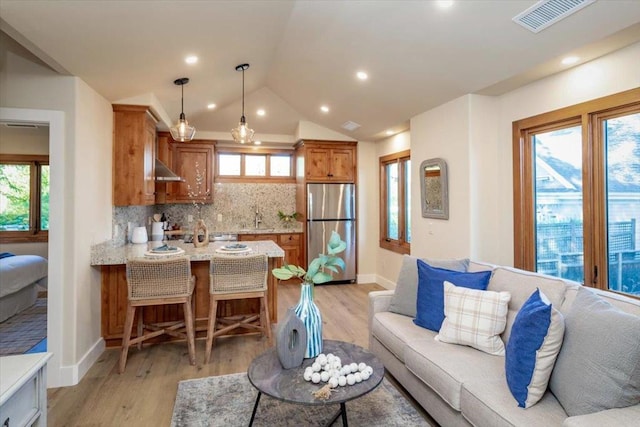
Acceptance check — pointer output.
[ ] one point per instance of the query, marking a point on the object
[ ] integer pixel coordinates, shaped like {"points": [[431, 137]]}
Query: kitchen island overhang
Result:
{"points": [[111, 259]]}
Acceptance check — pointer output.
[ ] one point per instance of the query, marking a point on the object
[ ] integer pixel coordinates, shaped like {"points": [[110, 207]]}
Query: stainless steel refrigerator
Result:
{"points": [[332, 207]]}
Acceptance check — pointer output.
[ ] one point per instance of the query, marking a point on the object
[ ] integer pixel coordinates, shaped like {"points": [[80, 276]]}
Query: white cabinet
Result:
{"points": [[23, 390]]}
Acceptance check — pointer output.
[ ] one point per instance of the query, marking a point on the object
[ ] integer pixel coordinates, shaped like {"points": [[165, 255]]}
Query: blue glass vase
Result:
{"points": [[308, 312]]}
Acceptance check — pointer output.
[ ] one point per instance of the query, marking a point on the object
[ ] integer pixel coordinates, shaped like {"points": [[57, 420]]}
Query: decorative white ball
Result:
{"points": [[337, 360], [315, 366], [351, 380], [347, 369], [333, 382], [337, 365], [370, 370], [334, 373], [322, 360], [327, 367], [331, 358], [364, 375], [342, 381], [324, 376], [362, 366], [358, 377], [315, 378], [354, 367], [307, 375]]}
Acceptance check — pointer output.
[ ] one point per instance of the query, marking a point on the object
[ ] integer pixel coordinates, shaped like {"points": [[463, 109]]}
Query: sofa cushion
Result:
{"points": [[474, 318], [521, 284], [489, 403], [598, 366], [445, 368], [536, 338], [430, 306], [395, 330], [406, 292]]}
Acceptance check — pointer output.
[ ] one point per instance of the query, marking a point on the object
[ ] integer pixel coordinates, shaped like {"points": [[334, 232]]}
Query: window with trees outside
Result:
{"points": [[577, 193], [395, 202], [242, 165], [24, 198]]}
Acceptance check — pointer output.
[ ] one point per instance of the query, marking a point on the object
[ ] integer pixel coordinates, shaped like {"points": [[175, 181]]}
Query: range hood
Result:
{"points": [[163, 173]]}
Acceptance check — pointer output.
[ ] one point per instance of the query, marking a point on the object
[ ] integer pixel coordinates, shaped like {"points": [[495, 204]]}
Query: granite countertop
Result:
{"points": [[108, 253]]}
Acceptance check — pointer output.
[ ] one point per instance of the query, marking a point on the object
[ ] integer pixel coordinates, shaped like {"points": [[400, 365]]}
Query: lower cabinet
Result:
{"points": [[24, 390], [114, 303], [291, 244]]}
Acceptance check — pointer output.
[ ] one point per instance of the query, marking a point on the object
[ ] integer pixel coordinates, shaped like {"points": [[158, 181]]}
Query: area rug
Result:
{"points": [[23, 331], [228, 401]]}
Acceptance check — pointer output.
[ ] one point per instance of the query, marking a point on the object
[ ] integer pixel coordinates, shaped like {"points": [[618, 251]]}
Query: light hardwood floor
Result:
{"points": [[144, 394]]}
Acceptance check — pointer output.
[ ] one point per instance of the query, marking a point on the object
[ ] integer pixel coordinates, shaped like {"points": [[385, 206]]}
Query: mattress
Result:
{"points": [[19, 271]]}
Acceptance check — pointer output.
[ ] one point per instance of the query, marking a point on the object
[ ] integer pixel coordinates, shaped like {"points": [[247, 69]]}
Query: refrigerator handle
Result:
{"points": [[310, 207]]}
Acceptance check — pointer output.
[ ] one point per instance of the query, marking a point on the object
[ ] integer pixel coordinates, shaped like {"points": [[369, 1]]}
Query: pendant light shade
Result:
{"points": [[182, 131], [243, 133]]}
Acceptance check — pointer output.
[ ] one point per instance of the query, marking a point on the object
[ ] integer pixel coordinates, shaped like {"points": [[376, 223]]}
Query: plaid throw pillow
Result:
{"points": [[474, 318]]}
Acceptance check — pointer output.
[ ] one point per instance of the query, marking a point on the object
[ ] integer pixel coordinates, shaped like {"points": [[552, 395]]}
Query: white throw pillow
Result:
{"points": [[474, 318]]}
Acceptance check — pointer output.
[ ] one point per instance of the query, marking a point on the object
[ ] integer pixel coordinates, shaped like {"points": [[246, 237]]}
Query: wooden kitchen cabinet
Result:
{"points": [[184, 158], [326, 161], [134, 155], [291, 243]]}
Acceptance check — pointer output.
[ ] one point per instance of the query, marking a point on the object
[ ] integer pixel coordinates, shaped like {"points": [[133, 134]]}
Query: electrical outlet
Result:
{"points": [[189, 218], [116, 230], [219, 217]]}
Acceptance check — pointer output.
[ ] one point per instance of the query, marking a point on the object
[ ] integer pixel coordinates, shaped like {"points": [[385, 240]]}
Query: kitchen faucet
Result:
{"points": [[258, 218]]}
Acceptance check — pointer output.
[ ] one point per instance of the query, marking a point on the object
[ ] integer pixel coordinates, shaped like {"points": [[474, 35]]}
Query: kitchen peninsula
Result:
{"points": [[112, 261]]}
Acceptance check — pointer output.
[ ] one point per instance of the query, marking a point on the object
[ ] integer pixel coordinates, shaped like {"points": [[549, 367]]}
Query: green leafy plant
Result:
{"points": [[287, 217], [320, 268]]}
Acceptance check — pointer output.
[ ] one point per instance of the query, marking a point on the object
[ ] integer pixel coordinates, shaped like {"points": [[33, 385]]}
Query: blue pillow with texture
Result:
{"points": [[430, 302], [534, 344]]}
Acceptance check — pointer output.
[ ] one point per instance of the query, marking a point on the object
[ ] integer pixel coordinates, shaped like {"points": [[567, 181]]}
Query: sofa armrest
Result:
{"points": [[379, 301], [619, 417]]}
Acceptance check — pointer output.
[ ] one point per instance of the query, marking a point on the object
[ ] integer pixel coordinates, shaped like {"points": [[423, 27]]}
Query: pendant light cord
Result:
{"points": [[242, 91], [182, 100]]}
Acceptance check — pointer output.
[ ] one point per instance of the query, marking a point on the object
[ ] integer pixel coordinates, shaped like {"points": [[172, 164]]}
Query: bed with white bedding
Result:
{"points": [[19, 277]]}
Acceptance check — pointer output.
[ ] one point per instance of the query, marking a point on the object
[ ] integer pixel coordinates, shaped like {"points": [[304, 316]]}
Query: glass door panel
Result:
{"points": [[622, 147], [558, 203]]}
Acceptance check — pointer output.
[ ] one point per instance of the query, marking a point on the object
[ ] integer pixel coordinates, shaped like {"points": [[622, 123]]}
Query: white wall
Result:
{"points": [[388, 262], [85, 152], [367, 218], [473, 134]]}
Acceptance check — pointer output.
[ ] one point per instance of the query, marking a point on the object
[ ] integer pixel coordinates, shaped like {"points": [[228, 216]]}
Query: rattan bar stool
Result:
{"points": [[237, 277], [159, 282]]}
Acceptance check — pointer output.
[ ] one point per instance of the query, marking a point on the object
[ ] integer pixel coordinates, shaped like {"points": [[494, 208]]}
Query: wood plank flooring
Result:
{"points": [[144, 394]]}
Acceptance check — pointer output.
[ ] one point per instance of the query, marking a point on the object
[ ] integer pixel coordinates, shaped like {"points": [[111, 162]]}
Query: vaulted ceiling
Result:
{"points": [[304, 54]]}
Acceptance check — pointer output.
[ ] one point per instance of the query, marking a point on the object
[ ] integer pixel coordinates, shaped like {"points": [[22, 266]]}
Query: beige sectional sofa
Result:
{"points": [[459, 385]]}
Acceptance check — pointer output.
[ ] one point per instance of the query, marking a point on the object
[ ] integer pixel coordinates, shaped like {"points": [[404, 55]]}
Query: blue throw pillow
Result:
{"points": [[430, 302], [534, 344]]}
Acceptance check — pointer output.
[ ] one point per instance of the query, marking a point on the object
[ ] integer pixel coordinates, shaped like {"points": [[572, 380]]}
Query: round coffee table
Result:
{"points": [[268, 376]]}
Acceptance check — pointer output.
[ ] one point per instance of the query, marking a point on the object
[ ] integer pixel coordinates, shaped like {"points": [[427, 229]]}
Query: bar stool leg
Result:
{"points": [[140, 325], [126, 337], [213, 308], [188, 319]]}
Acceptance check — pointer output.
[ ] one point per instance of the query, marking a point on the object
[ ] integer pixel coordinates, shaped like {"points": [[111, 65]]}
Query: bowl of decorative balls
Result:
{"points": [[330, 370]]}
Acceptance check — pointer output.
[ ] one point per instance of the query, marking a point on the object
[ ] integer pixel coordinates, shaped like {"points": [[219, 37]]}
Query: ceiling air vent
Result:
{"points": [[22, 125], [547, 12], [350, 126]]}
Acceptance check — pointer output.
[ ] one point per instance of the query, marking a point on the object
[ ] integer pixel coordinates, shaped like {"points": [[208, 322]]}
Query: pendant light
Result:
{"points": [[242, 133], [182, 131]]}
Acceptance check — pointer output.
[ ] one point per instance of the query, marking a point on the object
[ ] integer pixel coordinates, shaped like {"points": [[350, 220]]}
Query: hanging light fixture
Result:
{"points": [[242, 133], [182, 131]]}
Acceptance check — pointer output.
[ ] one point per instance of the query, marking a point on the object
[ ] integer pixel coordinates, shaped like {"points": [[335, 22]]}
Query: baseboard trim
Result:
{"points": [[72, 374], [385, 283], [366, 278]]}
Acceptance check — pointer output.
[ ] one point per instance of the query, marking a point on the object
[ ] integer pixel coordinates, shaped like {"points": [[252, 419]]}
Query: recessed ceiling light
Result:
{"points": [[211, 106], [444, 4], [389, 132], [324, 109], [257, 142], [362, 75], [260, 112], [192, 59], [570, 60]]}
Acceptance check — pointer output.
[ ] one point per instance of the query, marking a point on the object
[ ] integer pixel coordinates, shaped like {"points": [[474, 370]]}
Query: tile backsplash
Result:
{"points": [[235, 203]]}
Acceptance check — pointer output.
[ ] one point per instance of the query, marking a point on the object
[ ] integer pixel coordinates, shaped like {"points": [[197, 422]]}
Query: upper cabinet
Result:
{"points": [[134, 155], [193, 161], [328, 161]]}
